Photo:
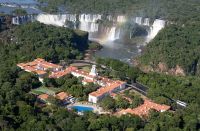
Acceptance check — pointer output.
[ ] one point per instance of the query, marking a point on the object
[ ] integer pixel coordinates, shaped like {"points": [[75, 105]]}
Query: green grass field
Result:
{"points": [[45, 90]]}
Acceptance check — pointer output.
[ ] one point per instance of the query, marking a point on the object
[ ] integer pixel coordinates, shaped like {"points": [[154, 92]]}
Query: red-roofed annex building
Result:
{"points": [[144, 109]]}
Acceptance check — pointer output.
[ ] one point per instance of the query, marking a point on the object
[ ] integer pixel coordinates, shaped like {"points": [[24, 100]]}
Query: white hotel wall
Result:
{"points": [[79, 75], [94, 99]]}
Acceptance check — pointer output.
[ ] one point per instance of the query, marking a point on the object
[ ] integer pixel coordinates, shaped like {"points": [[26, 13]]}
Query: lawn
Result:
{"points": [[86, 68], [45, 90]]}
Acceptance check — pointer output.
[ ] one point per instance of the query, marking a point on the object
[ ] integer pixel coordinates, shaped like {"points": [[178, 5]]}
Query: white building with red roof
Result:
{"points": [[39, 66], [110, 88], [143, 110]]}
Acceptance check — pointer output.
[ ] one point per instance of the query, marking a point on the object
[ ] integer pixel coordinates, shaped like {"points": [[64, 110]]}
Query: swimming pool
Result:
{"points": [[82, 108]]}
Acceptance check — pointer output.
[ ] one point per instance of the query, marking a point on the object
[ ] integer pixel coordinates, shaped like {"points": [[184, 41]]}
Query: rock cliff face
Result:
{"points": [[162, 68]]}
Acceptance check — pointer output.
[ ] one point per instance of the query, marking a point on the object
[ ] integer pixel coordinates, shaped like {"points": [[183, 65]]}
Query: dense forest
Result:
{"points": [[19, 110], [175, 45], [34, 39]]}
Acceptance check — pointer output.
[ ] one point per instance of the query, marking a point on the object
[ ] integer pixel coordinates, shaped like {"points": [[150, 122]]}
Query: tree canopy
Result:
{"points": [[175, 45]]}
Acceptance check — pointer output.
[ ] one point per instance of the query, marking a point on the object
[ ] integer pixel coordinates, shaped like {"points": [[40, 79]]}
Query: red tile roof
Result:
{"points": [[105, 80], [43, 96], [62, 95], [144, 109], [33, 66], [62, 73], [107, 89]]}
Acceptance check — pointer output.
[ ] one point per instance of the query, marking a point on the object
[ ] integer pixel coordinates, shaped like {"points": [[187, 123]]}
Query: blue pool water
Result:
{"points": [[82, 108]]}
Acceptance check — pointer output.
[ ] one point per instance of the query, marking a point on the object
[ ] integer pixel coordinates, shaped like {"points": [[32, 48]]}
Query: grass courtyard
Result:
{"points": [[45, 90]]}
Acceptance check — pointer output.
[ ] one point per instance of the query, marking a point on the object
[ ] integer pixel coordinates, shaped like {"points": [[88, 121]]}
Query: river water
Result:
{"points": [[11, 5], [123, 51], [19, 1]]}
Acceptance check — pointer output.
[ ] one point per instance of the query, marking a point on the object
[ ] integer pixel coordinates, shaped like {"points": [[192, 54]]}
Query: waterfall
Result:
{"points": [[94, 27], [89, 17], [71, 17], [121, 19], [111, 35], [117, 35], [15, 20], [142, 21], [114, 34], [146, 22], [109, 17], [18, 20], [57, 20], [156, 27], [88, 22], [138, 20]]}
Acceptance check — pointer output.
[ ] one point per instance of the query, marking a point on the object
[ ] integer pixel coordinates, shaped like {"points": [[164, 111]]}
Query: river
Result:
{"points": [[7, 6], [123, 51]]}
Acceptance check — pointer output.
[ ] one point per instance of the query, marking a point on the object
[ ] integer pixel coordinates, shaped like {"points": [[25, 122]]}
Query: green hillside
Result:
{"points": [[175, 45]]}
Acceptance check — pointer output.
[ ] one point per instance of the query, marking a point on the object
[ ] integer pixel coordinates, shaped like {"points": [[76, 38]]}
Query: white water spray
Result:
{"points": [[57, 20], [156, 27]]}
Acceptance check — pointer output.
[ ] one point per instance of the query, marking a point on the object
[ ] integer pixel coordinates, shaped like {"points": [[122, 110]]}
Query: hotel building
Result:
{"points": [[108, 86]]}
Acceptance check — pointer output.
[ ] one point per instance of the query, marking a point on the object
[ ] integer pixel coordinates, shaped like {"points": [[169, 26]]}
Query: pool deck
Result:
{"points": [[96, 109]]}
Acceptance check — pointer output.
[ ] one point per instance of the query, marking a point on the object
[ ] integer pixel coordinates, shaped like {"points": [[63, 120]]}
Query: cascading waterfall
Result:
{"points": [[142, 21], [114, 34], [89, 23], [71, 17], [86, 22], [18, 20], [146, 22], [121, 19], [57, 20], [138, 20], [153, 29], [156, 27]]}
